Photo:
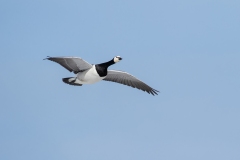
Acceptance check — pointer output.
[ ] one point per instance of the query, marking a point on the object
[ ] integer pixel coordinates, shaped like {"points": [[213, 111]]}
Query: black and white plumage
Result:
{"points": [[89, 74]]}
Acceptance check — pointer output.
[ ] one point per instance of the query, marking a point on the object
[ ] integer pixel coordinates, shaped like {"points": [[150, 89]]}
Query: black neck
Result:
{"points": [[107, 64], [102, 68]]}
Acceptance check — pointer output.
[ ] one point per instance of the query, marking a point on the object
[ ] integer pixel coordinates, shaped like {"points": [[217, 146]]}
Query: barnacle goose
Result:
{"points": [[89, 74]]}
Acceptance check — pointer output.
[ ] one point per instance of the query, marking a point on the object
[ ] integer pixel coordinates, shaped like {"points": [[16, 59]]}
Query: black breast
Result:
{"points": [[101, 70]]}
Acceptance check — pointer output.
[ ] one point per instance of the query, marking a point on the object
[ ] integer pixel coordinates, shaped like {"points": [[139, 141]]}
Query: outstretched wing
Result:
{"points": [[73, 64], [127, 79]]}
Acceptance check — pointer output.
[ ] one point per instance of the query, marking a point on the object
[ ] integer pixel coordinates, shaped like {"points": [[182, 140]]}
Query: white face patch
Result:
{"points": [[117, 59]]}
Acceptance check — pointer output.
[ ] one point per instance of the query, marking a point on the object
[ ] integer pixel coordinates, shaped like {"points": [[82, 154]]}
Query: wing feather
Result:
{"points": [[129, 80], [73, 64]]}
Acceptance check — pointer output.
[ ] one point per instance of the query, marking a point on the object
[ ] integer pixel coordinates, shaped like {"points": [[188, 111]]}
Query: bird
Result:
{"points": [[86, 73]]}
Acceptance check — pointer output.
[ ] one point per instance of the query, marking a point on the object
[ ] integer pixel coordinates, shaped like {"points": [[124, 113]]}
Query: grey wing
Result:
{"points": [[73, 64], [127, 79]]}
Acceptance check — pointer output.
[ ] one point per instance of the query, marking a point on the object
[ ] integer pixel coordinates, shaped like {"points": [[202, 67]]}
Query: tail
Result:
{"points": [[71, 81]]}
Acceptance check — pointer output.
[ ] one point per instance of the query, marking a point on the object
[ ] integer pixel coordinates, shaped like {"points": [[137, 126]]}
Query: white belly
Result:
{"points": [[89, 76]]}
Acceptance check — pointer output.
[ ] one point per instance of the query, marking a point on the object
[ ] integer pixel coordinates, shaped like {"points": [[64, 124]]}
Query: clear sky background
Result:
{"points": [[189, 50]]}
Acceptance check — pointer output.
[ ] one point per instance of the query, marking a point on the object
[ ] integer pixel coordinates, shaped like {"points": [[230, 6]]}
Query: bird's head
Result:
{"points": [[117, 59]]}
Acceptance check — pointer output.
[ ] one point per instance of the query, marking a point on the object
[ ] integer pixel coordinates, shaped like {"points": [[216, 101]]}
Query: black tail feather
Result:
{"points": [[66, 80]]}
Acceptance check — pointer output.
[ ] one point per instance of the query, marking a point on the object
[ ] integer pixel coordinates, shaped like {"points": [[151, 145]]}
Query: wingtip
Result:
{"points": [[47, 58], [154, 92]]}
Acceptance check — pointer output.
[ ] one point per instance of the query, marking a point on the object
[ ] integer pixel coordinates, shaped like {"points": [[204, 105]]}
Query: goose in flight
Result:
{"points": [[87, 73]]}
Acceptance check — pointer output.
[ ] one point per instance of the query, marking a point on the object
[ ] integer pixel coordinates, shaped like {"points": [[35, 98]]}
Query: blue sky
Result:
{"points": [[189, 50]]}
